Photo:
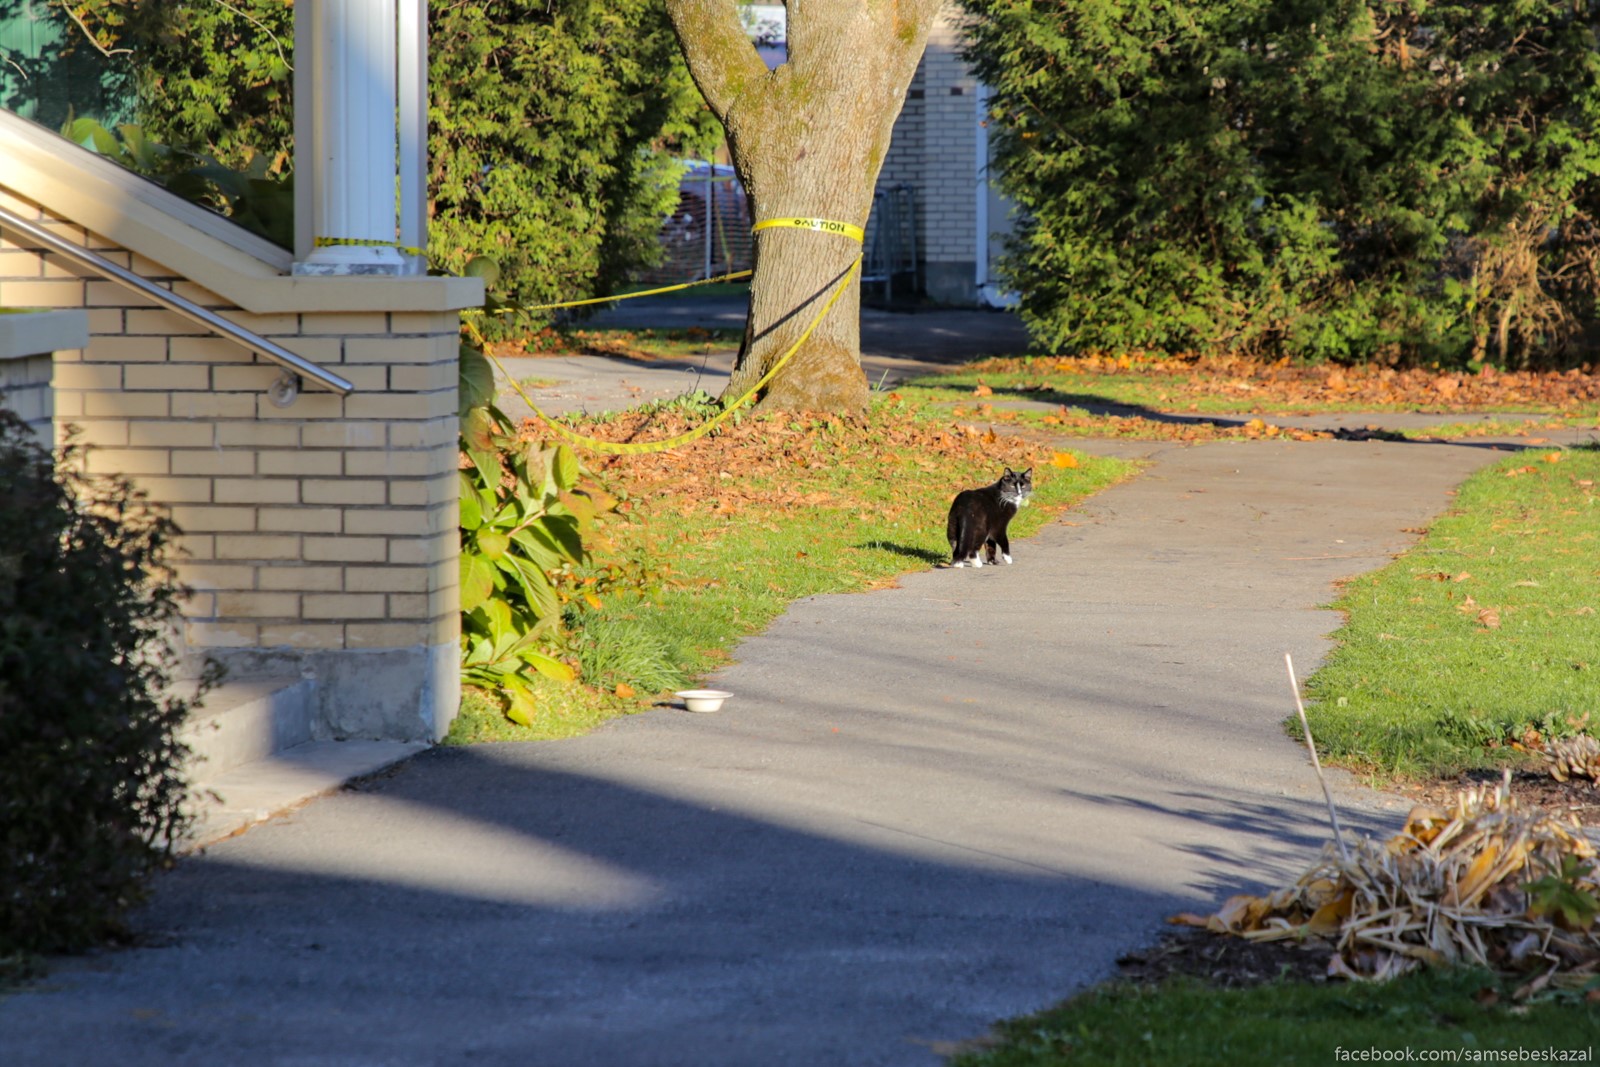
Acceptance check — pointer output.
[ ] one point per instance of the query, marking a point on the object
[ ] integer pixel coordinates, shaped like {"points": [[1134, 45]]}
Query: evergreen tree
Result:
{"points": [[1313, 178]]}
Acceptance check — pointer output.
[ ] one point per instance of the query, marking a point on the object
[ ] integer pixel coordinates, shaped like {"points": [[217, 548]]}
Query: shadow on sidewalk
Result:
{"points": [[470, 907]]}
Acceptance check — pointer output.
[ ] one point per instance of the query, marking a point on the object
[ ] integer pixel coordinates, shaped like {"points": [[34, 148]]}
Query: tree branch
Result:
{"points": [[722, 60], [88, 34]]}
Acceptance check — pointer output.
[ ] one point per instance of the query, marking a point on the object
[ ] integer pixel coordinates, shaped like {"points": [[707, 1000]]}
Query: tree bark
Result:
{"points": [[808, 140]]}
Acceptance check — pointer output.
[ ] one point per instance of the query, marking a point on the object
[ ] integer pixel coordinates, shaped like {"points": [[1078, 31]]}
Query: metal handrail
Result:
{"points": [[172, 301]]}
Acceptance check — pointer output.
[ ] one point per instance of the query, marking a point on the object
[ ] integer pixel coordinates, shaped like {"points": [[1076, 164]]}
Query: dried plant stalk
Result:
{"points": [[1450, 887]]}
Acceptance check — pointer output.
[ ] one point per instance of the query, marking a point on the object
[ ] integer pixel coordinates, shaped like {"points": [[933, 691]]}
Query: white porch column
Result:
{"points": [[346, 137]]}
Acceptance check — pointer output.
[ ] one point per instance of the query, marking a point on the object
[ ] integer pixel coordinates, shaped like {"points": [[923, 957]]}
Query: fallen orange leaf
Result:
{"points": [[983, 390], [625, 691], [1064, 460]]}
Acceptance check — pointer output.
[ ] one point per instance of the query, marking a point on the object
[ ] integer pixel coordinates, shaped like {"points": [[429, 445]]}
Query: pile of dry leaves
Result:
{"points": [[1491, 883], [751, 462], [1288, 384]]}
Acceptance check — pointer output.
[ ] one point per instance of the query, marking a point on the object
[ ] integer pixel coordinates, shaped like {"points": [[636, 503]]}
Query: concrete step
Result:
{"points": [[240, 722], [229, 803], [252, 757]]}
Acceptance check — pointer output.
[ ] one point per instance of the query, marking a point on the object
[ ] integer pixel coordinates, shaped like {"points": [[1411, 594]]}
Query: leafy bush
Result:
{"points": [[533, 592], [550, 124], [216, 76], [515, 527], [1323, 179], [93, 770], [253, 197]]}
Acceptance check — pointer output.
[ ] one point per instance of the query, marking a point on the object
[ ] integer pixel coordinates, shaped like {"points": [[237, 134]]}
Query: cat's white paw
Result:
{"points": [[977, 561], [1004, 558], [959, 563]]}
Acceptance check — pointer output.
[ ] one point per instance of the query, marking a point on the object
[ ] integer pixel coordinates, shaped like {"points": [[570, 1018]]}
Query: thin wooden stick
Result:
{"points": [[1311, 746]]}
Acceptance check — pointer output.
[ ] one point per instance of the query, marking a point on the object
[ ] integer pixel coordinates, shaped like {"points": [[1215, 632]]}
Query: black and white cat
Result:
{"points": [[978, 519]]}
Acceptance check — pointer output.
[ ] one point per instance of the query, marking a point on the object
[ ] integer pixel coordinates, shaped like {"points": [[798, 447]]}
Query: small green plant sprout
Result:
{"points": [[1565, 896]]}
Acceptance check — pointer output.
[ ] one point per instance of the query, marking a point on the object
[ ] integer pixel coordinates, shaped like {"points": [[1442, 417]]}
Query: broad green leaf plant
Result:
{"points": [[523, 520]]}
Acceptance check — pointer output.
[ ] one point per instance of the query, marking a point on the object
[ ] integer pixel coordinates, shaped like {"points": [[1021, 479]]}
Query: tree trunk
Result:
{"points": [[807, 140]]}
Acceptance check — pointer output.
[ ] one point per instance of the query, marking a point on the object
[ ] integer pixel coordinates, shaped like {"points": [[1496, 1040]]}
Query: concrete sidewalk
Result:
{"points": [[924, 809]]}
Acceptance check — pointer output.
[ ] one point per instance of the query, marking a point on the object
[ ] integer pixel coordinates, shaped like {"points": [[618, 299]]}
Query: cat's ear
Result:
{"points": [[1011, 472]]}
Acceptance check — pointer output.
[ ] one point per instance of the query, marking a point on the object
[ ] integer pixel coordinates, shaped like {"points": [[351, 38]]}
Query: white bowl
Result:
{"points": [[703, 699]]}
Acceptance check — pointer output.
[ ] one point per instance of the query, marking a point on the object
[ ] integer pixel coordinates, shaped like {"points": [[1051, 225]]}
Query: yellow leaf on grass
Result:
{"points": [[983, 390], [1064, 460], [1552, 457], [624, 690]]}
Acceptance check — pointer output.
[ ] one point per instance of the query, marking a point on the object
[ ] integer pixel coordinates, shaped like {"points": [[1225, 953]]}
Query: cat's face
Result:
{"points": [[1016, 487]]}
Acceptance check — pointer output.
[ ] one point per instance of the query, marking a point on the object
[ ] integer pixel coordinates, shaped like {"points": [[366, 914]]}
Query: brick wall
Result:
{"points": [[935, 149], [950, 150], [320, 538]]}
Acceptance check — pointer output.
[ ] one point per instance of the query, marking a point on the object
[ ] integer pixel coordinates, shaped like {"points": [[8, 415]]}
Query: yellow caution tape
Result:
{"points": [[360, 242], [624, 448], [843, 229], [625, 296]]}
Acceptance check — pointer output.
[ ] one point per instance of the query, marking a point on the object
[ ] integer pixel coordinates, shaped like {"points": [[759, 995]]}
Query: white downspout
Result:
{"points": [[980, 251], [413, 114]]}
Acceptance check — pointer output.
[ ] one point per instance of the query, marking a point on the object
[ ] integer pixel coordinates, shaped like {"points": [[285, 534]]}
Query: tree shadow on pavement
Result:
{"points": [[501, 902]]}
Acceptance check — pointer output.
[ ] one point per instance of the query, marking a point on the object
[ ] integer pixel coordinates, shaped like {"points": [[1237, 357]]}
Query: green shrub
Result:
{"points": [[89, 755], [548, 130], [1323, 179], [252, 197], [523, 520]]}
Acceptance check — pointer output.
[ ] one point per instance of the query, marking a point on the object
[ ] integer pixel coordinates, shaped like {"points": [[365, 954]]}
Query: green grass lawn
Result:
{"points": [[639, 344], [1186, 1023], [1485, 631]]}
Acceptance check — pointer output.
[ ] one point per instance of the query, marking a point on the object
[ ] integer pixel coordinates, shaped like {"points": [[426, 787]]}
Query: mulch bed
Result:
{"points": [[1534, 788], [1224, 961]]}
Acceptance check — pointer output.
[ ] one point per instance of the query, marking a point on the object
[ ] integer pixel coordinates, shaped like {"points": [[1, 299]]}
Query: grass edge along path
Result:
{"points": [[1468, 1016], [1482, 640], [771, 509]]}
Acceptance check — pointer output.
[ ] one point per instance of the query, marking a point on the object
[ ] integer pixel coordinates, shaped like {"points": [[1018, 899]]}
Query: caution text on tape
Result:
{"points": [[843, 229]]}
